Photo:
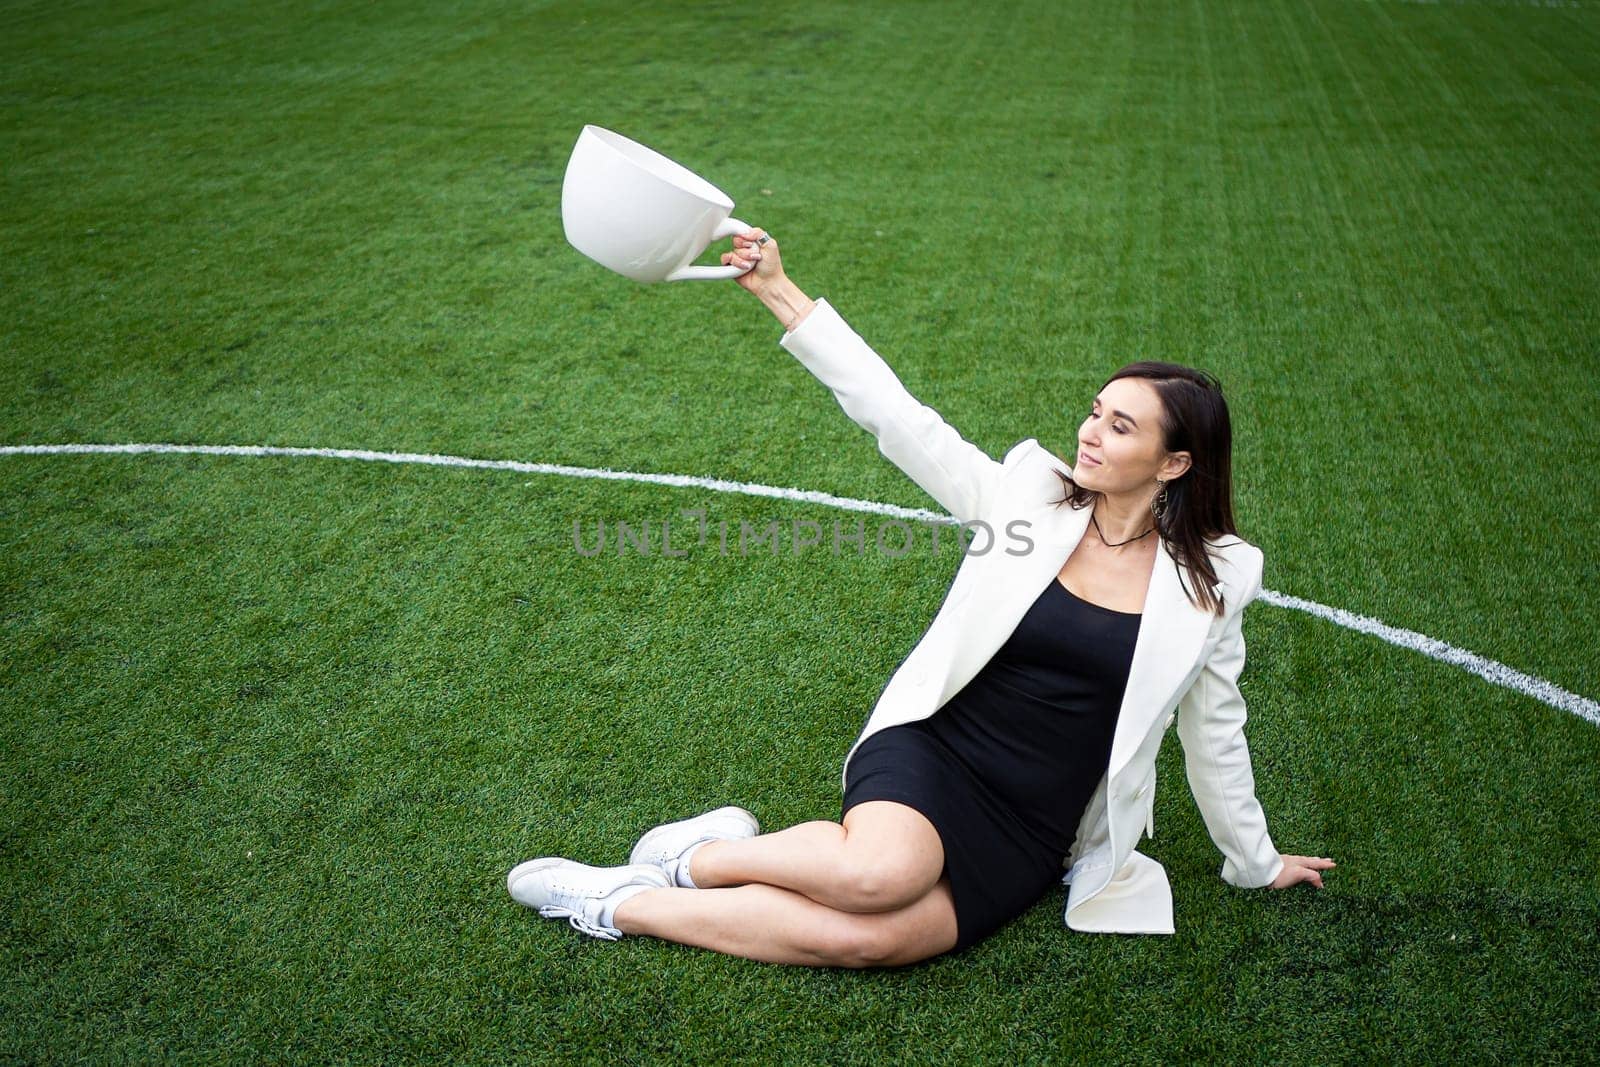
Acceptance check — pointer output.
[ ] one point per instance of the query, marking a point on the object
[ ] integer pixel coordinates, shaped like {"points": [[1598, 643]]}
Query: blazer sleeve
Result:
{"points": [[1211, 717], [956, 473]]}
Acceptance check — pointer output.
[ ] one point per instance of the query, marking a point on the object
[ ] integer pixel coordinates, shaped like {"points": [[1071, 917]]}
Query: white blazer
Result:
{"points": [[1186, 662]]}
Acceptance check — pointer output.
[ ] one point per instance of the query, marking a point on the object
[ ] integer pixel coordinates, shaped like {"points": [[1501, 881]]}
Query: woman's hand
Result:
{"points": [[769, 267], [1301, 869], [783, 298]]}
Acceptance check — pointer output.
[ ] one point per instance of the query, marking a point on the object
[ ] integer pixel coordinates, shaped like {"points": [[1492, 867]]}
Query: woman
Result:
{"points": [[1114, 597]]}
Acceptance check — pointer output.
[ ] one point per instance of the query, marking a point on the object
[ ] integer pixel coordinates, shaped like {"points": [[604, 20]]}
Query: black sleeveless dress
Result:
{"points": [[1006, 767]]}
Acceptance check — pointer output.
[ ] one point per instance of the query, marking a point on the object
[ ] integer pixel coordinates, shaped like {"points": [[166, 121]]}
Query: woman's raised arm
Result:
{"points": [[956, 473]]}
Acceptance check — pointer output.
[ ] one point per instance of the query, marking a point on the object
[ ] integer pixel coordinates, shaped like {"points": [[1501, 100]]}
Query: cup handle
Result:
{"points": [[727, 228]]}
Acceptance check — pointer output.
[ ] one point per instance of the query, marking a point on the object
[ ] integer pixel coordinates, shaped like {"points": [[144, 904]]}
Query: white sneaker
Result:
{"points": [[585, 896], [665, 845]]}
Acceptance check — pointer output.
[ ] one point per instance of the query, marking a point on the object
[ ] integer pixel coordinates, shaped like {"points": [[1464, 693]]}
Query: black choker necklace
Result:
{"points": [[1119, 544]]}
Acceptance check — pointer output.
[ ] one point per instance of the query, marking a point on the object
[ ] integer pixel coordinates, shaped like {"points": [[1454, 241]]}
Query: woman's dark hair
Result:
{"points": [[1194, 419]]}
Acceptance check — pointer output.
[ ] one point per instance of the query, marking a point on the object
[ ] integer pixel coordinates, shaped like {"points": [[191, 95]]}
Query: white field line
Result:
{"points": [[1488, 669], [1483, 667]]}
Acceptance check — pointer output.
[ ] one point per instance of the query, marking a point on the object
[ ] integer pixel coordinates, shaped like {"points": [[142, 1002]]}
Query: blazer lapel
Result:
{"points": [[1171, 634]]}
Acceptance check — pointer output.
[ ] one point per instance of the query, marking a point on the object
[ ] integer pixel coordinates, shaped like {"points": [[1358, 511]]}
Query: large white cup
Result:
{"points": [[632, 209]]}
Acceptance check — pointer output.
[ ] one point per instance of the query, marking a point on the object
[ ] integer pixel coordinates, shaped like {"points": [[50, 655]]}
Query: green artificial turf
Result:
{"points": [[274, 729]]}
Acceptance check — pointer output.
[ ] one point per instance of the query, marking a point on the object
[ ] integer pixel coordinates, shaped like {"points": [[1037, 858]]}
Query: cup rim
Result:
{"points": [[660, 166]]}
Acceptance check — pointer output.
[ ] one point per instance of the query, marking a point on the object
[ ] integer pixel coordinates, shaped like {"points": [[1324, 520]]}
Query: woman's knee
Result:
{"points": [[910, 935], [891, 857], [865, 941], [873, 883]]}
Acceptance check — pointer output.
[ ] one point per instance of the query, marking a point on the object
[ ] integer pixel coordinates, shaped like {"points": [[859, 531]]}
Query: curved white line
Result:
{"points": [[1488, 669]]}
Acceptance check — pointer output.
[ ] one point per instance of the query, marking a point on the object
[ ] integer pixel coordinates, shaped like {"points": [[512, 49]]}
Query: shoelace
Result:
{"points": [[556, 911]]}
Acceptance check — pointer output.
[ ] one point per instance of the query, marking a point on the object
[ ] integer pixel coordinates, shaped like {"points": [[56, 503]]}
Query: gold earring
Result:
{"points": [[1158, 503]]}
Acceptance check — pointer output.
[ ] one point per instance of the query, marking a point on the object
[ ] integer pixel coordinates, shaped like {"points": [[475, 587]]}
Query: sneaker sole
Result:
{"points": [[644, 842]]}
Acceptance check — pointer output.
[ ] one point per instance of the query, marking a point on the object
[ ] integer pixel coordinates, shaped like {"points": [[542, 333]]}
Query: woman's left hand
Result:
{"points": [[1301, 869]]}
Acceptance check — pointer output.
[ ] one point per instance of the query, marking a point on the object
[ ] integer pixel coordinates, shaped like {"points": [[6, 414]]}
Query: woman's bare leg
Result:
{"points": [[764, 922], [884, 857]]}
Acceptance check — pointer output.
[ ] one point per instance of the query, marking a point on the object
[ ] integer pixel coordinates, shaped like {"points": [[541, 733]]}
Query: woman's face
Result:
{"points": [[1119, 444]]}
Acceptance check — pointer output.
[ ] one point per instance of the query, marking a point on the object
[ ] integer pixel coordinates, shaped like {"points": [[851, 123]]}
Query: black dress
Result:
{"points": [[1006, 767]]}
